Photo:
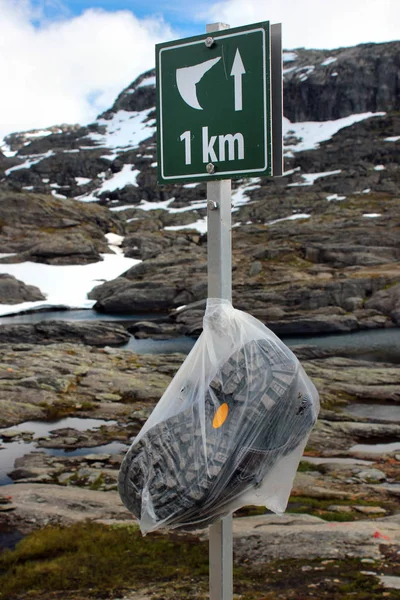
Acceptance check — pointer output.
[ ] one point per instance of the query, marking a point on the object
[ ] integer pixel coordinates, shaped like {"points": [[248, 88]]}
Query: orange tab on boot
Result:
{"points": [[221, 415]]}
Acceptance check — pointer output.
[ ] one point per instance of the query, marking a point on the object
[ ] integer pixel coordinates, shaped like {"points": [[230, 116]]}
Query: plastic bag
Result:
{"points": [[229, 430]]}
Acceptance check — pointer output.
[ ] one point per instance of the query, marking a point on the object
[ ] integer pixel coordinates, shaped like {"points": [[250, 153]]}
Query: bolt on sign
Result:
{"points": [[214, 105]]}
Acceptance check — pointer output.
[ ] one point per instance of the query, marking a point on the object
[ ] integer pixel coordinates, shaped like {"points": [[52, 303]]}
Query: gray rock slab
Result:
{"points": [[257, 539], [65, 504], [390, 582], [371, 475], [371, 510], [269, 537]]}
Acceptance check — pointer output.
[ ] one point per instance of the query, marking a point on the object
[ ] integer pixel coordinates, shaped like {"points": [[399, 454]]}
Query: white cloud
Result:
{"points": [[315, 23], [69, 70]]}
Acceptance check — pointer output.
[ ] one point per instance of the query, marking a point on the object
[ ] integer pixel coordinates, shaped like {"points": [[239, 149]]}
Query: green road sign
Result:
{"points": [[213, 108]]}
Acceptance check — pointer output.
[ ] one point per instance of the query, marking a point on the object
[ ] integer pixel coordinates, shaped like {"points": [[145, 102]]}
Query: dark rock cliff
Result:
{"points": [[317, 250], [365, 78]]}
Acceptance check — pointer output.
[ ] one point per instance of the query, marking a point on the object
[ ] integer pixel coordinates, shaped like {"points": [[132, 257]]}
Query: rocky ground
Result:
{"points": [[344, 504], [316, 251], [334, 269]]}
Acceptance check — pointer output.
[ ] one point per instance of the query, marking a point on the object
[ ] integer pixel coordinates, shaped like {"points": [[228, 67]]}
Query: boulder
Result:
{"points": [[371, 476], [145, 245], [70, 249], [46, 229], [51, 332], [13, 291], [130, 298], [311, 324], [149, 329], [387, 301]]}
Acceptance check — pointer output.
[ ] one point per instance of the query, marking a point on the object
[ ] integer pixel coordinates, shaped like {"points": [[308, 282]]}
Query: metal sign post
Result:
{"points": [[219, 286], [219, 247], [219, 115]]}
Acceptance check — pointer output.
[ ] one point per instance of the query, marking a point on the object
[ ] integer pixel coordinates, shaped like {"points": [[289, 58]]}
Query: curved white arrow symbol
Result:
{"points": [[188, 77]]}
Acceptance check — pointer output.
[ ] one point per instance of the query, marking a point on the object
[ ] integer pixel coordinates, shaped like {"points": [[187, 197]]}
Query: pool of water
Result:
{"points": [[10, 451], [9, 539], [376, 448], [372, 344], [375, 412], [14, 450], [316, 460], [74, 315], [43, 428], [380, 345], [149, 346]]}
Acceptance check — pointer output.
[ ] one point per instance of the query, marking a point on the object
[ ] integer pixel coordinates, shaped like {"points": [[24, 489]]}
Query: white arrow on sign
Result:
{"points": [[188, 77], [237, 72]]}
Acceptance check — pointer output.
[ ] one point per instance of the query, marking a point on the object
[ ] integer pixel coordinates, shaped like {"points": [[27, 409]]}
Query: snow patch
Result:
{"points": [[65, 285], [32, 160], [335, 197], [194, 205], [312, 133], [291, 172], [372, 215], [291, 218], [289, 70], [125, 207], [379, 168], [328, 61], [127, 176], [82, 180], [394, 138], [200, 226], [126, 130], [311, 177], [240, 197], [304, 72], [36, 134], [59, 196], [114, 242], [146, 82], [163, 205], [289, 56], [6, 149]]}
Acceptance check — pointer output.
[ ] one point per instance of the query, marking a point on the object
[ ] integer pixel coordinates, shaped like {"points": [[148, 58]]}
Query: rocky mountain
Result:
{"points": [[316, 250]]}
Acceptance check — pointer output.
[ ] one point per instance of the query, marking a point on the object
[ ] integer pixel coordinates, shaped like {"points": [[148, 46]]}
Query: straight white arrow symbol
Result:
{"points": [[237, 72]]}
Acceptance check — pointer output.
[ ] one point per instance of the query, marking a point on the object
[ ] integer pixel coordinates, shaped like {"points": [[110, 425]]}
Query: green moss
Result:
{"points": [[390, 285], [333, 580], [58, 410], [93, 557], [305, 467], [250, 511], [48, 229], [92, 561], [98, 483], [86, 405], [319, 507]]}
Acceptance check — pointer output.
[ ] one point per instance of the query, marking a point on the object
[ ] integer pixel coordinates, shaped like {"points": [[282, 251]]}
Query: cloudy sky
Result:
{"points": [[64, 61]]}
